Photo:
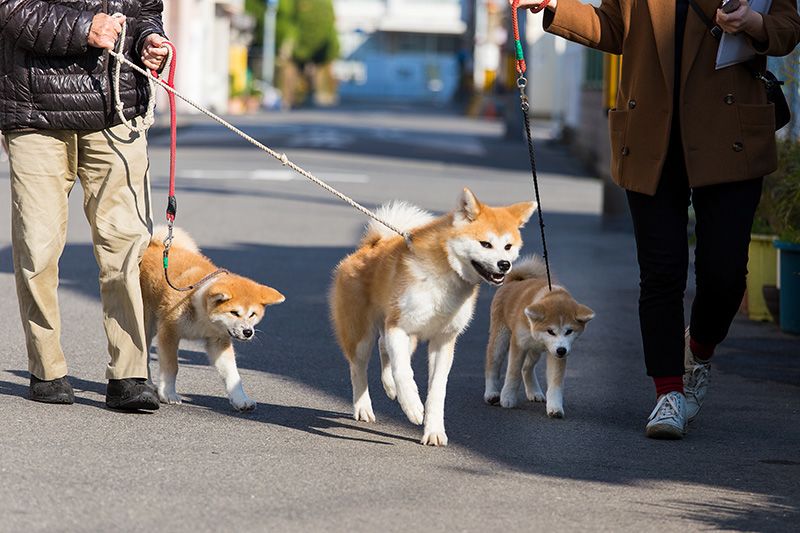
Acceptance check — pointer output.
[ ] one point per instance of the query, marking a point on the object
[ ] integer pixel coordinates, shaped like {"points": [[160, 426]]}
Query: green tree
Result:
{"points": [[306, 32], [256, 9]]}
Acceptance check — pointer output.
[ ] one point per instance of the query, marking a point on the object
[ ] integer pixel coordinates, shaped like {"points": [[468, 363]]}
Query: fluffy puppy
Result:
{"points": [[527, 321], [227, 307]]}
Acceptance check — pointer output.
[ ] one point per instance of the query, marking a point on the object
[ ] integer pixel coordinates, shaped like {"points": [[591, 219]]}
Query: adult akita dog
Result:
{"points": [[425, 291]]}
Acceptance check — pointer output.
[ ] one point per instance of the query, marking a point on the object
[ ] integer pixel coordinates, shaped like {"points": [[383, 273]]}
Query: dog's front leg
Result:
{"points": [[222, 356], [495, 355], [555, 386], [168, 342], [533, 391], [440, 359], [387, 379], [510, 393], [398, 346]]}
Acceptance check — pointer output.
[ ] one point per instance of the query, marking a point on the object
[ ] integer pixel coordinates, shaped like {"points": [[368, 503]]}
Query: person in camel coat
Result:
{"points": [[684, 132]]}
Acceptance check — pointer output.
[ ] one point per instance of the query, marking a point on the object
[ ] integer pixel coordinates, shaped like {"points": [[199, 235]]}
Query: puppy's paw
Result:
{"points": [[243, 405], [491, 397], [362, 412], [508, 399], [536, 397], [434, 438], [169, 397], [555, 411]]}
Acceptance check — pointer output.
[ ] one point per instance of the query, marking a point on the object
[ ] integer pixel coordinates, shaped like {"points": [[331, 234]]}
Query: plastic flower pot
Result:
{"points": [[790, 286], [762, 269]]}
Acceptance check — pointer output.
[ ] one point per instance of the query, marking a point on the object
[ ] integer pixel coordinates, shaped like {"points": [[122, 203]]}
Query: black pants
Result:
{"points": [[724, 216]]}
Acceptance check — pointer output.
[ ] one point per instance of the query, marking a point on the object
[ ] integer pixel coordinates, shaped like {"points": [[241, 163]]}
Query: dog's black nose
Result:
{"points": [[247, 333], [561, 351], [504, 266]]}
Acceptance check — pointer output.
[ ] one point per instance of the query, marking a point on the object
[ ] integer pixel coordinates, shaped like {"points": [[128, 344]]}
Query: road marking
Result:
{"points": [[268, 175]]}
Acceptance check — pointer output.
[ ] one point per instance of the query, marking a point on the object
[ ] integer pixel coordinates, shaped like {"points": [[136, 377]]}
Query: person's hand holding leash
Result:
{"points": [[154, 52], [534, 4], [743, 19], [104, 31]]}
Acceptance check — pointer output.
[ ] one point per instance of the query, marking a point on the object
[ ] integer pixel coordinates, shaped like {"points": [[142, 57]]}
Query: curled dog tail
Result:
{"points": [[401, 215], [179, 238], [528, 267]]}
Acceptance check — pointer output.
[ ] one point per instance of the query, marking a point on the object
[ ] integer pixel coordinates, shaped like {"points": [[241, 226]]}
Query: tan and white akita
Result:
{"points": [[527, 321], [422, 292], [225, 307]]}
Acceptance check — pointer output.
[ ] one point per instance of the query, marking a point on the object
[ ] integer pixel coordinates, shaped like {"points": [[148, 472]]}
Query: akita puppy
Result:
{"points": [[425, 291], [527, 321], [223, 308]]}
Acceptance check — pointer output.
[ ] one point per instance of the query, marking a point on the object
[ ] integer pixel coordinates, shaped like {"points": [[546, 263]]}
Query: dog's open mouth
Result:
{"points": [[492, 277], [240, 336]]}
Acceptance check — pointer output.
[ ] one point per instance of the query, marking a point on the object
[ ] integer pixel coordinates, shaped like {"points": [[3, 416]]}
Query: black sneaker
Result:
{"points": [[131, 394], [53, 391]]}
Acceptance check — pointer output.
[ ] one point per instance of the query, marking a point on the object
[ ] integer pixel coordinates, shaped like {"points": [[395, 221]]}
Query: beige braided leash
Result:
{"points": [[282, 157]]}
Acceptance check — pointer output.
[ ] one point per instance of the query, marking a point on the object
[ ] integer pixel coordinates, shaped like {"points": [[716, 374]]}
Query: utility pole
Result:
{"points": [[268, 46]]}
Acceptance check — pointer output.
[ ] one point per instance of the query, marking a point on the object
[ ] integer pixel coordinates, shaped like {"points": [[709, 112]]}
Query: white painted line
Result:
{"points": [[268, 175], [272, 175]]}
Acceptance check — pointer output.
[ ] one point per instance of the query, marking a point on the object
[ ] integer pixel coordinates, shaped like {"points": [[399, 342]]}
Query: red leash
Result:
{"points": [[521, 67], [172, 202], [522, 83]]}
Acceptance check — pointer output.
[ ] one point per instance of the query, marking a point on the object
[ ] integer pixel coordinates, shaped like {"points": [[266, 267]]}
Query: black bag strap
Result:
{"points": [[771, 83], [715, 30]]}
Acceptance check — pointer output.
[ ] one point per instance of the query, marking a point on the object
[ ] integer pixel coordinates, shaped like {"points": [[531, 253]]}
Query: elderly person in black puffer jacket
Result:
{"points": [[58, 116]]}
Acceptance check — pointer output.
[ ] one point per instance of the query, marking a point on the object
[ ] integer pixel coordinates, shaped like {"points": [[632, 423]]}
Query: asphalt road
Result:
{"points": [[299, 462]]}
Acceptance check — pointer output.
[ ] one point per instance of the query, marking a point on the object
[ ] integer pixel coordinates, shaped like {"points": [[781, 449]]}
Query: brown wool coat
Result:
{"points": [[727, 125]]}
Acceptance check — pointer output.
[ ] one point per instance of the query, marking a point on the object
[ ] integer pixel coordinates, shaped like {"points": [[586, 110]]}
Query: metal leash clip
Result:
{"points": [[168, 238], [522, 82]]}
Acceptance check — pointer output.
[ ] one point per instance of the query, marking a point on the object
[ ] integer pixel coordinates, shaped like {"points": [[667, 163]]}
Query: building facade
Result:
{"points": [[400, 50]]}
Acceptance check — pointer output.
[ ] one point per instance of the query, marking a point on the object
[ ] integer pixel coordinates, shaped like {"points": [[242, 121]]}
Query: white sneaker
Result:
{"points": [[668, 419], [695, 381]]}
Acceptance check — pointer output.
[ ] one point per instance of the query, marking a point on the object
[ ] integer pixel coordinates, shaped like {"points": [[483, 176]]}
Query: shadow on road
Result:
{"points": [[316, 422], [746, 448]]}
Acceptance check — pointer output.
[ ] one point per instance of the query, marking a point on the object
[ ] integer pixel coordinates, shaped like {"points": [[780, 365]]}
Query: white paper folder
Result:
{"points": [[735, 48]]}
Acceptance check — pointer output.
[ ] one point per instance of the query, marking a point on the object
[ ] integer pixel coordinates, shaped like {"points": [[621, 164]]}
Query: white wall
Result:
{"points": [[201, 33], [556, 69]]}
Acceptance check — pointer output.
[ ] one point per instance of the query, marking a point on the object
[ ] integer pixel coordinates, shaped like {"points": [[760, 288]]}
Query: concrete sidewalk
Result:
{"points": [[299, 462]]}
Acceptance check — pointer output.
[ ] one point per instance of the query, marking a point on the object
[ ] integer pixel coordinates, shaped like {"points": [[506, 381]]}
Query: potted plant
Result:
{"points": [[786, 220], [760, 299]]}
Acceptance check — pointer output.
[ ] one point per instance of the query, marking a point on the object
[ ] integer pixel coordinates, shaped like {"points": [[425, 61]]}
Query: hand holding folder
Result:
{"points": [[735, 48]]}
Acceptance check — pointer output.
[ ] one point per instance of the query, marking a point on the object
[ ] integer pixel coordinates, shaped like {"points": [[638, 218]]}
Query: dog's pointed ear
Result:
{"points": [[216, 295], [270, 296], [468, 206], [522, 211], [584, 314], [534, 312]]}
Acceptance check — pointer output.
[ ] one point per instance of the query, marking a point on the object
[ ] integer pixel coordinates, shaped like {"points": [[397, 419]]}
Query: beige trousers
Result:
{"points": [[112, 167]]}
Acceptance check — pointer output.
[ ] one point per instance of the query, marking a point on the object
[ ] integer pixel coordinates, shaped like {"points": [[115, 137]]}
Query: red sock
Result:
{"points": [[701, 352], [665, 384]]}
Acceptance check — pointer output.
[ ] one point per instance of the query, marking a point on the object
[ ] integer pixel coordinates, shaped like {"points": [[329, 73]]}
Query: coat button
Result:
{"points": [[737, 146], [631, 104], [625, 150], [729, 99]]}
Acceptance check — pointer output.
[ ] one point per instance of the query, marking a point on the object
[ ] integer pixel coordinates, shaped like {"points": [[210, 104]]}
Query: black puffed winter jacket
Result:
{"points": [[50, 78]]}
